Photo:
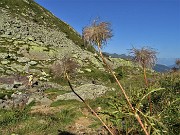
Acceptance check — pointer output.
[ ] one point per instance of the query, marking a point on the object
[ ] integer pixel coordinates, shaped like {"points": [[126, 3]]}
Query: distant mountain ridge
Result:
{"points": [[161, 68], [167, 61], [115, 55], [158, 67]]}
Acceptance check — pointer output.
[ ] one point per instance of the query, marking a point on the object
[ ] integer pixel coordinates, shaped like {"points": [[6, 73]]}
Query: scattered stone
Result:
{"points": [[16, 42], [17, 84], [23, 59], [113, 89], [5, 62], [26, 1], [2, 69], [45, 101], [19, 99], [32, 62], [6, 86], [30, 38], [3, 55], [30, 100], [80, 71], [88, 70]]}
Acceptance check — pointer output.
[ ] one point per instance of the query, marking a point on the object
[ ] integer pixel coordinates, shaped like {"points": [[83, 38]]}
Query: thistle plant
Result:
{"points": [[146, 57], [97, 34]]}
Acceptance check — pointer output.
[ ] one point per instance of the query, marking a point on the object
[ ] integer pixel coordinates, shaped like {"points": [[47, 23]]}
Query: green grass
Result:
{"points": [[53, 93], [3, 93], [96, 75], [59, 80], [13, 116], [67, 116], [67, 103], [22, 122], [35, 125]]}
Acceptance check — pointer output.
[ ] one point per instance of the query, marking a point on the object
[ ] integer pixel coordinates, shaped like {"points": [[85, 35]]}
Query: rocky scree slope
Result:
{"points": [[31, 39], [29, 32]]}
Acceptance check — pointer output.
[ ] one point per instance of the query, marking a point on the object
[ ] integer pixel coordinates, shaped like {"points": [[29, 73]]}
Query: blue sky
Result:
{"points": [[138, 23]]}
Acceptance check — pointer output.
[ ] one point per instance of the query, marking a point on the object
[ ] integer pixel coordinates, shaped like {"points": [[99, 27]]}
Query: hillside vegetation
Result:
{"points": [[45, 65]]}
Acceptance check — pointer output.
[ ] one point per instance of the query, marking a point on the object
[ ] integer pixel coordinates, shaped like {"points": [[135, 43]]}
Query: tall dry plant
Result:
{"points": [[146, 57], [97, 34], [178, 63], [66, 65]]}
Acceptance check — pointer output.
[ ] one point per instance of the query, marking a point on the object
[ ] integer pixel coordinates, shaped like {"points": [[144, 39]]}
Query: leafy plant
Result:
{"points": [[168, 102]]}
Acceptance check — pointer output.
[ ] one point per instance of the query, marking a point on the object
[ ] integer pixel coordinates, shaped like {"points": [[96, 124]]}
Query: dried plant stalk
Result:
{"points": [[146, 57], [98, 34]]}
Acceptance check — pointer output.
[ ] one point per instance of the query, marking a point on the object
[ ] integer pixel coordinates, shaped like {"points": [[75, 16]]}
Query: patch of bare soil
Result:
{"points": [[81, 126], [43, 109], [11, 79]]}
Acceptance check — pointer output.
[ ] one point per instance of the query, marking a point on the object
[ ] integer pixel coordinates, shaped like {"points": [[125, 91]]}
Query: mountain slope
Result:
{"points": [[31, 11], [32, 37]]}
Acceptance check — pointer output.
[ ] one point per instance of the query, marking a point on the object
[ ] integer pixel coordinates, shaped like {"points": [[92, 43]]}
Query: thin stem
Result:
{"points": [[67, 77], [109, 68], [147, 85], [123, 91], [145, 76]]}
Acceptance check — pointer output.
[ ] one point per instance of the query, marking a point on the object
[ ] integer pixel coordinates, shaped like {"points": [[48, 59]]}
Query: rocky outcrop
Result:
{"points": [[20, 100], [87, 91]]}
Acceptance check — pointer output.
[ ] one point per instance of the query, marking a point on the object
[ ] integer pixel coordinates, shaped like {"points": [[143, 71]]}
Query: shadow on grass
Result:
{"points": [[64, 133]]}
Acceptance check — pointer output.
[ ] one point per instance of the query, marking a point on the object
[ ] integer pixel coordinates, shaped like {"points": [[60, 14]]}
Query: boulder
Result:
{"points": [[86, 91], [32, 63], [5, 62], [88, 70], [23, 59]]}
